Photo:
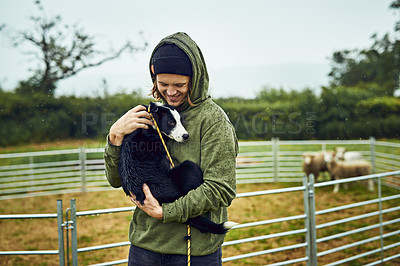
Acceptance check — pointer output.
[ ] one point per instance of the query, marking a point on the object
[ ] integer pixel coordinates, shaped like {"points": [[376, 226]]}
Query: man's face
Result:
{"points": [[174, 88]]}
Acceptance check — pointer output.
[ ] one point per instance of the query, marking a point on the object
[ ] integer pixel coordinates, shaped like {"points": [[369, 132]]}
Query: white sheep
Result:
{"points": [[314, 163], [344, 155], [344, 169]]}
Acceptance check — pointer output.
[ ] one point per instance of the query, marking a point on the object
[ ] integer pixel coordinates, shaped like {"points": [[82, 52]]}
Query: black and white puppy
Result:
{"points": [[143, 159]]}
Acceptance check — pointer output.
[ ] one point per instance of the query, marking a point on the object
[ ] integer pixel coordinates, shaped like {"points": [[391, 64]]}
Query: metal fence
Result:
{"points": [[80, 170], [281, 161], [42, 173], [69, 226]]}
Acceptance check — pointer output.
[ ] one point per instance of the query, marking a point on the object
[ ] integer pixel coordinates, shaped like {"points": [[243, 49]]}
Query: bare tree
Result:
{"points": [[62, 50]]}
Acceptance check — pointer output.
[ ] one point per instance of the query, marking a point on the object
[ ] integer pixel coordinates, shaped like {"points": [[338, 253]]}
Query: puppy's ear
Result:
{"points": [[153, 107]]}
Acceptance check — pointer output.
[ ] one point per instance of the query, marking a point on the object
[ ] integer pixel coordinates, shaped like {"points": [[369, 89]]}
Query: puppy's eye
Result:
{"points": [[171, 123]]}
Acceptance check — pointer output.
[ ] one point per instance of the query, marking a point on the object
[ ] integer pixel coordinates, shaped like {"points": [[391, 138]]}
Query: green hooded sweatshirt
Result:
{"points": [[213, 146]]}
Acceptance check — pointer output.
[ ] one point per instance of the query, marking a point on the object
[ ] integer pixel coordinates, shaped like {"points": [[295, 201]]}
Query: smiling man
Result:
{"points": [[173, 88], [157, 231]]}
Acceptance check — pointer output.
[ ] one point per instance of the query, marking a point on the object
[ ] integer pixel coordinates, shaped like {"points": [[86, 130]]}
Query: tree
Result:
{"points": [[62, 50], [396, 5], [379, 64]]}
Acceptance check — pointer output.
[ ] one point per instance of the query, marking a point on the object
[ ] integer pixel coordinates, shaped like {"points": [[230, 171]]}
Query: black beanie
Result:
{"points": [[170, 59]]}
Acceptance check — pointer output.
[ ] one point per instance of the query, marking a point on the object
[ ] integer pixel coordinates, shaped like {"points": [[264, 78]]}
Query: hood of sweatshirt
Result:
{"points": [[199, 90]]}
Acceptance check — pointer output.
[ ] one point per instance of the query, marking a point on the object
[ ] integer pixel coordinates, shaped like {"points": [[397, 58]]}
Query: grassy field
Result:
{"points": [[111, 228]]}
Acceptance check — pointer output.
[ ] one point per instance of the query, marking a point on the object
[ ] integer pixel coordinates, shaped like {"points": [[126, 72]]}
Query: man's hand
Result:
{"points": [[132, 120], [151, 206]]}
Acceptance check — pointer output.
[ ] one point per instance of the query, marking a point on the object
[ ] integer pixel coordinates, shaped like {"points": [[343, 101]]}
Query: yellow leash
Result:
{"points": [[162, 140], [188, 243], [172, 165]]}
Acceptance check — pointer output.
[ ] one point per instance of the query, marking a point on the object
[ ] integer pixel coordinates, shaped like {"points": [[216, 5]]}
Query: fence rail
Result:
{"points": [[68, 227], [41, 173]]}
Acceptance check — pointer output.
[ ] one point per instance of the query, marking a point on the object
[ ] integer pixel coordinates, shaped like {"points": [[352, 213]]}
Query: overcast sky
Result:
{"points": [[246, 44]]}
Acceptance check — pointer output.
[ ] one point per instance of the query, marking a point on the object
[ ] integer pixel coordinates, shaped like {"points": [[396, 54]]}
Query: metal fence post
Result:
{"points": [[372, 147], [82, 159], [306, 220], [74, 237], [380, 218], [61, 255], [32, 171], [68, 227], [312, 224], [323, 146], [275, 148]]}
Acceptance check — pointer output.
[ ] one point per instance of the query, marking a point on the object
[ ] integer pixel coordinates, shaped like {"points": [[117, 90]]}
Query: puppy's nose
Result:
{"points": [[185, 136]]}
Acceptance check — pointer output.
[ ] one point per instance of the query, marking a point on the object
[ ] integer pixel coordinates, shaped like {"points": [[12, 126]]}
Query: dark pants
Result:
{"points": [[142, 257]]}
